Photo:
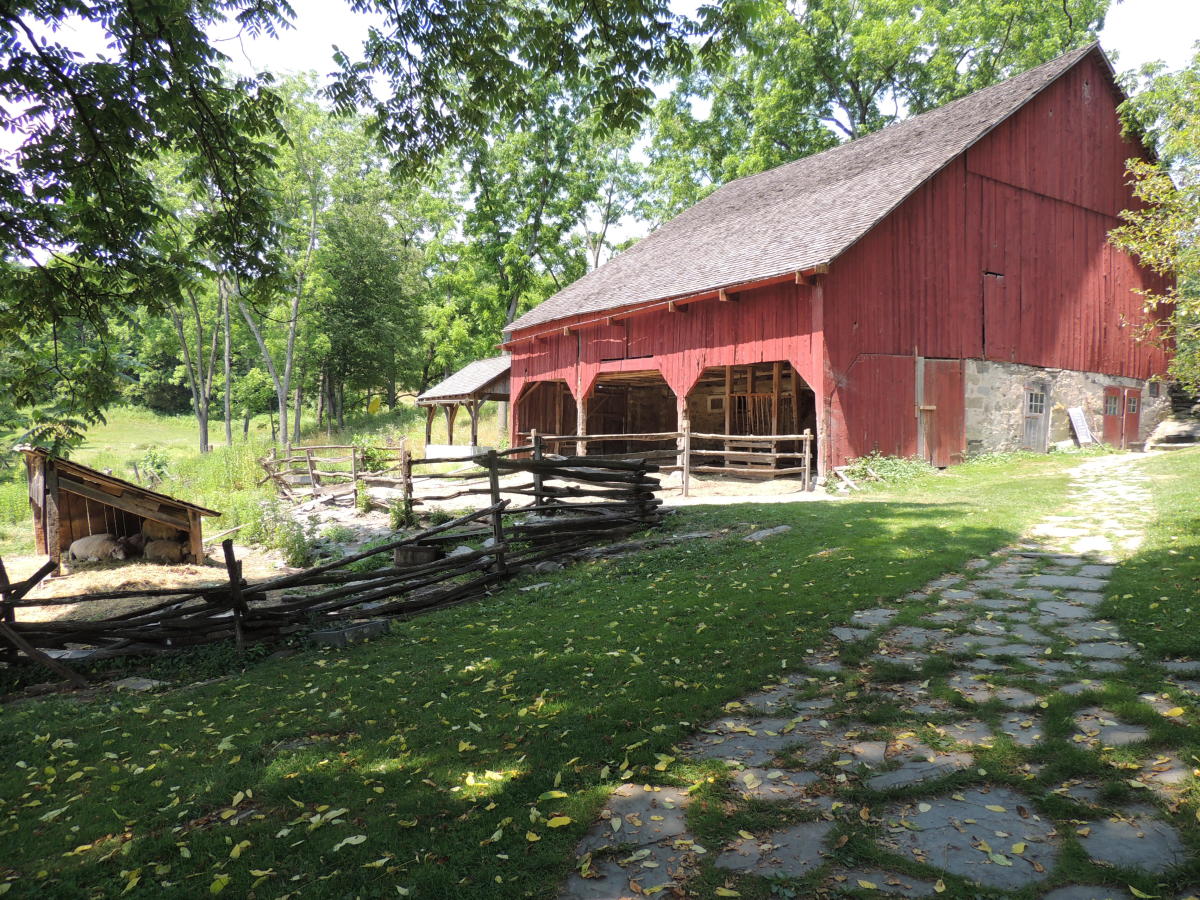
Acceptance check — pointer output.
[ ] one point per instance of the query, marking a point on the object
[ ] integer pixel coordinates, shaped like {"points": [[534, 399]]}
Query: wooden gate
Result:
{"points": [[941, 411], [1122, 416]]}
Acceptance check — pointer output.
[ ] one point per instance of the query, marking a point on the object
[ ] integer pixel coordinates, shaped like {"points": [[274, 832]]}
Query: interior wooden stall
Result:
{"points": [[71, 501], [760, 399]]}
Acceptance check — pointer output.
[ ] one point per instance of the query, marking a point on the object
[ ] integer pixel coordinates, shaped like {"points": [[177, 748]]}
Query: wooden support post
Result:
{"points": [[687, 452], [450, 411], [312, 471], [776, 390], [53, 523], [407, 482], [536, 440], [429, 413], [581, 425], [237, 601], [473, 409], [497, 512], [354, 473], [195, 537], [807, 444]]}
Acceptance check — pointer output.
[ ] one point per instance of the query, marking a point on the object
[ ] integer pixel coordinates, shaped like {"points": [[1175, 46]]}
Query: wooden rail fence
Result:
{"points": [[437, 567]]}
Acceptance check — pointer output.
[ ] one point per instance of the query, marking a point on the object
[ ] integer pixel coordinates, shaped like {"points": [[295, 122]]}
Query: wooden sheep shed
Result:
{"points": [[70, 501]]}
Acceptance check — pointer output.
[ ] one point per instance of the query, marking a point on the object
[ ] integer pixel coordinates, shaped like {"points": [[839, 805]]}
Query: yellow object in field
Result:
{"points": [[373, 406]]}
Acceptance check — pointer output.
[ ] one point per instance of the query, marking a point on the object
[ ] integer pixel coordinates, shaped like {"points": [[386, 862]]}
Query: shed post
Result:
{"points": [[473, 409], [687, 454], [450, 410], [195, 537], [429, 411], [51, 510]]}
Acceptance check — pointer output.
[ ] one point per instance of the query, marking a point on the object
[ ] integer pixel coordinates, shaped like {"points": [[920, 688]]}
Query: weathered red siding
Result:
{"points": [[1003, 255]]}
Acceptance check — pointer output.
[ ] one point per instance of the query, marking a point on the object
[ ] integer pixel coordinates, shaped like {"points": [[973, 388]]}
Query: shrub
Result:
{"points": [[889, 469], [154, 462], [400, 515]]}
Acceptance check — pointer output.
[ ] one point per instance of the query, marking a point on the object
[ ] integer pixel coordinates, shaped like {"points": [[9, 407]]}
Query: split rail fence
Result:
{"points": [[572, 503], [746, 455]]}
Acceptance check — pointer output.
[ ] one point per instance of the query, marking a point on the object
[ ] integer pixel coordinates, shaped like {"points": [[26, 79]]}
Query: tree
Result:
{"points": [[77, 201], [1164, 232], [804, 76]]}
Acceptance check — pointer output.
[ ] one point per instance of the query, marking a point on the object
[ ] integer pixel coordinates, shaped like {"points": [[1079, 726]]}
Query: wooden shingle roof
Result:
{"points": [[800, 215], [484, 379]]}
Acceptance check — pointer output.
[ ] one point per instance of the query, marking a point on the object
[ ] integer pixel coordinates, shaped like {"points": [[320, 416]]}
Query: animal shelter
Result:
{"points": [[70, 501]]}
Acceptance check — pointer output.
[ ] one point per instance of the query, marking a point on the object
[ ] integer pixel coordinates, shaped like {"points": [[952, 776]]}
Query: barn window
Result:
{"points": [[1035, 402], [716, 404], [1131, 404], [1153, 388], [1112, 405]]}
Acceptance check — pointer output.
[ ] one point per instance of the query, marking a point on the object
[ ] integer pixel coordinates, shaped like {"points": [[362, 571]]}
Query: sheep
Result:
{"points": [[132, 544], [157, 531], [96, 547], [164, 551]]}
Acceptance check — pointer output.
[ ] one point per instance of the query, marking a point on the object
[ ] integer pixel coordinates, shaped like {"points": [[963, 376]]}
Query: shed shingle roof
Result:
{"points": [[471, 379], [801, 214]]}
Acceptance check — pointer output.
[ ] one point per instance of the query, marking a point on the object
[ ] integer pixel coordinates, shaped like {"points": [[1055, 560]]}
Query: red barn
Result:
{"points": [[942, 287]]}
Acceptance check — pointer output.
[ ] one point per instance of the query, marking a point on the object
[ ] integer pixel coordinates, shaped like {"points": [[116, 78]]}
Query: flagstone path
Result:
{"points": [[1004, 665]]}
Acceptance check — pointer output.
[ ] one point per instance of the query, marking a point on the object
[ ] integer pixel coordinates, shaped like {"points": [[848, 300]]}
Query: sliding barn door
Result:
{"points": [[941, 408]]}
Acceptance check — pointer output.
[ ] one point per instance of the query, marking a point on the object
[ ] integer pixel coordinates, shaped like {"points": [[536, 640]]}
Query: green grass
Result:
{"points": [[447, 743], [1155, 594]]}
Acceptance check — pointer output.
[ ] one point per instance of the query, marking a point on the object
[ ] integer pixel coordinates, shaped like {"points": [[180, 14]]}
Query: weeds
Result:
{"points": [[888, 469]]}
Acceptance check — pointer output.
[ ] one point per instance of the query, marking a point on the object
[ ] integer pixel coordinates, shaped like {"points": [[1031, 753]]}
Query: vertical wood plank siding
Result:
{"points": [[1003, 255]]}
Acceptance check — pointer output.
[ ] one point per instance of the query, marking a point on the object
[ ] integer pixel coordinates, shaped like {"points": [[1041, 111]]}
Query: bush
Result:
{"points": [[400, 515], [888, 469], [154, 462]]}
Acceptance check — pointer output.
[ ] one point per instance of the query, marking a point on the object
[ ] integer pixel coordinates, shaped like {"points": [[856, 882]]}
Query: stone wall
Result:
{"points": [[995, 403]]}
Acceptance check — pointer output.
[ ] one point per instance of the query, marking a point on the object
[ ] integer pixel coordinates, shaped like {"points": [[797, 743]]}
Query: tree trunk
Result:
{"points": [[280, 391], [200, 377], [246, 425], [321, 399], [224, 292], [341, 405], [296, 412]]}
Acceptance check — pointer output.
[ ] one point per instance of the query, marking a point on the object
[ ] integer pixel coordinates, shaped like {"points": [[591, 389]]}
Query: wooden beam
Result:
{"points": [[39, 657], [124, 502], [722, 296], [195, 538]]}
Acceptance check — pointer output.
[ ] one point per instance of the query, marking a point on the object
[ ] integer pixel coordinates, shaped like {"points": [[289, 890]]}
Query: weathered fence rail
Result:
{"points": [[415, 573]]}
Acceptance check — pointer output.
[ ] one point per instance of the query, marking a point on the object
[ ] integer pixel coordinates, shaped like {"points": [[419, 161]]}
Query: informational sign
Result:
{"points": [[1083, 434]]}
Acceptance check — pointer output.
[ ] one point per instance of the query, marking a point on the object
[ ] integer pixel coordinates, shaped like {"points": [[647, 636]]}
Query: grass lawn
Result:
{"points": [[1155, 594], [464, 754]]}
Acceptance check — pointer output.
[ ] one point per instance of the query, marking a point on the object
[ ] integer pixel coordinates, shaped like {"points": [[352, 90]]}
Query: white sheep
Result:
{"points": [[157, 531], [96, 547]]}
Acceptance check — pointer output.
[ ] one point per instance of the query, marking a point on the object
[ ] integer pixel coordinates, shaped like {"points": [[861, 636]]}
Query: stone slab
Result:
{"points": [[1068, 582], [1057, 609], [869, 618], [789, 852], [1097, 726], [642, 817], [1136, 840], [1103, 650], [1088, 892], [947, 835], [880, 884]]}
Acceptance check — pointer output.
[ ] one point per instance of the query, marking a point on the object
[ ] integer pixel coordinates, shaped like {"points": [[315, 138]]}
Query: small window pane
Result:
{"points": [[1035, 403], [1154, 388], [1112, 405], [1131, 405]]}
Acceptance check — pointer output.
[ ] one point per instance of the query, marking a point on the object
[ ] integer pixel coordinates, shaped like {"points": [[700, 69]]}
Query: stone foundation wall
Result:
{"points": [[995, 403]]}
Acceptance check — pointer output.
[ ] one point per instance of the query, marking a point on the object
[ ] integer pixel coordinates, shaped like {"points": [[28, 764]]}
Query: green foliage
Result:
{"points": [[277, 530], [400, 515], [154, 462], [1164, 232], [888, 469]]}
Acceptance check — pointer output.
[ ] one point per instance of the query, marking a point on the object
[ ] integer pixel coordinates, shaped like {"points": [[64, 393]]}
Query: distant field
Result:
{"points": [[223, 479]]}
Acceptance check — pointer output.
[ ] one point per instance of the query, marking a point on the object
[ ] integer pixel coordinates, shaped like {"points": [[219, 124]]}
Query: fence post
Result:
{"points": [[354, 473], [234, 568], [497, 514], [8, 614], [536, 440], [687, 454], [312, 472], [807, 459], [406, 485]]}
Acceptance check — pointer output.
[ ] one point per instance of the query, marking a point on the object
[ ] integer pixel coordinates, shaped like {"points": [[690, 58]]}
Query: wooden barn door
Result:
{"points": [[941, 407], [1037, 417], [1133, 416], [1114, 419]]}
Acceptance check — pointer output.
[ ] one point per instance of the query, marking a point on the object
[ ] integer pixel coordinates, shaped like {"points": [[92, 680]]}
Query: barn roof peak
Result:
{"points": [[801, 214]]}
